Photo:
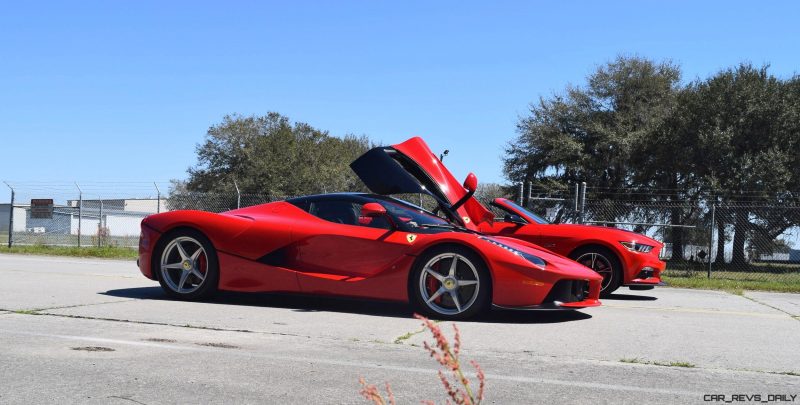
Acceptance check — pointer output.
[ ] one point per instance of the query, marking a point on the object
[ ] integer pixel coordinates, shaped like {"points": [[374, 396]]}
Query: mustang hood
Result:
{"points": [[621, 234], [411, 167]]}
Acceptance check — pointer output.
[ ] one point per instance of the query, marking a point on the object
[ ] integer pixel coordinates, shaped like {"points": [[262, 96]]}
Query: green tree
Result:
{"points": [[592, 132], [270, 155], [632, 128], [615, 133], [747, 140]]}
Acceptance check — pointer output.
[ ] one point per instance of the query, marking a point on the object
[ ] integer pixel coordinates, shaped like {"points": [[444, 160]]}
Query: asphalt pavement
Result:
{"points": [[96, 331]]}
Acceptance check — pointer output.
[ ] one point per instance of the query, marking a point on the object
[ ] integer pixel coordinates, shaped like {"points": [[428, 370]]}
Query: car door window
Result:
{"points": [[347, 213], [340, 212]]}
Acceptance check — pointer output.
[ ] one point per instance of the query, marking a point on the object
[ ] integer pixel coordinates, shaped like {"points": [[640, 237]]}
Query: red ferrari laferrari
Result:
{"points": [[623, 258], [363, 245]]}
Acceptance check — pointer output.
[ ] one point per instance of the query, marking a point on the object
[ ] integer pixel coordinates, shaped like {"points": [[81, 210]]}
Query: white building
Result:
{"points": [[114, 217], [19, 217]]}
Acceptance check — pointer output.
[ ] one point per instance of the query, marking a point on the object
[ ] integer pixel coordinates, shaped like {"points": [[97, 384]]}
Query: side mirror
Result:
{"points": [[514, 219], [471, 183], [372, 210]]}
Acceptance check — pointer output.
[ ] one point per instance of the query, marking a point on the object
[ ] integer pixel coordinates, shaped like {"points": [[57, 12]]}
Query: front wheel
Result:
{"points": [[605, 263], [187, 265], [450, 283]]}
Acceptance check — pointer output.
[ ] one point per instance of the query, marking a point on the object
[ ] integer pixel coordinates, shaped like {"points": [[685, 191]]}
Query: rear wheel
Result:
{"points": [[187, 265], [604, 262], [450, 282]]}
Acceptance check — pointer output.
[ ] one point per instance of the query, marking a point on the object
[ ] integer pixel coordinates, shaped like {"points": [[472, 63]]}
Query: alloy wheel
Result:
{"points": [[599, 264], [184, 265], [449, 284]]}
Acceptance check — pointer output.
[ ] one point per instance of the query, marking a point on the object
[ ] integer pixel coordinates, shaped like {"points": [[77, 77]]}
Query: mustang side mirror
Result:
{"points": [[372, 210], [514, 219]]}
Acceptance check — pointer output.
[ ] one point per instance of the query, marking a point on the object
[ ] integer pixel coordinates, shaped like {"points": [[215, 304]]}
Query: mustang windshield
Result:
{"points": [[536, 218]]}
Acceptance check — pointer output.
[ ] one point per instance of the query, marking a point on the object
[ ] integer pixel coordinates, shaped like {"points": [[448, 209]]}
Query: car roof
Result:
{"points": [[358, 196]]}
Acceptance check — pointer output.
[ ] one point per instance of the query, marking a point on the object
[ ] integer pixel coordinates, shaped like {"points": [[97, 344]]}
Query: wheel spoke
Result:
{"points": [[434, 274], [453, 266], [196, 254], [173, 266], [462, 283], [198, 274], [436, 295], [184, 276], [454, 296], [594, 257], [182, 252]]}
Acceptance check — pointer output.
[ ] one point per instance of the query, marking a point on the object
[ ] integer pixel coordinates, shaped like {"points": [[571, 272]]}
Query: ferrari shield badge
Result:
{"points": [[411, 237], [466, 219]]}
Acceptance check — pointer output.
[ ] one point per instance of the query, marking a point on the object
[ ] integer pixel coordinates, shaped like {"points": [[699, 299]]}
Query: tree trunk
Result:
{"points": [[741, 221], [720, 224]]}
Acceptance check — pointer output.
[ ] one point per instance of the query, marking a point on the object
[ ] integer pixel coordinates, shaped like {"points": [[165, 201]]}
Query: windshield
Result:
{"points": [[408, 215], [537, 219]]}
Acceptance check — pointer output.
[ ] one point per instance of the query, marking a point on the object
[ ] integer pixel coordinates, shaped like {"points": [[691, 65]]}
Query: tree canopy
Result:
{"points": [[270, 155]]}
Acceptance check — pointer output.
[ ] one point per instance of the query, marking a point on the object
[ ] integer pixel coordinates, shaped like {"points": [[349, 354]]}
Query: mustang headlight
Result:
{"points": [[637, 247], [536, 260]]}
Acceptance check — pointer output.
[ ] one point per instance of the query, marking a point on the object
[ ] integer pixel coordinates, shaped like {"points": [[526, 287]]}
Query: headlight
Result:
{"points": [[536, 260], [637, 247]]}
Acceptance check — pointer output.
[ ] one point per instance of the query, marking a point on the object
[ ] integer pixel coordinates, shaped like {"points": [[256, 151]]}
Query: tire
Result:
{"points": [[604, 262], [186, 264], [438, 293]]}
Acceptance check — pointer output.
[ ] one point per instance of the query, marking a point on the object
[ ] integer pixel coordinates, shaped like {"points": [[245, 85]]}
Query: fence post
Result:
{"points": [[100, 230], [238, 195], [158, 198], [80, 212], [576, 197], [711, 237], [10, 217], [583, 202]]}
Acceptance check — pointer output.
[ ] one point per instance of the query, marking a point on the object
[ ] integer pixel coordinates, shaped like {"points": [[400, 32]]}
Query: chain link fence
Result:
{"points": [[737, 241], [703, 238], [73, 216]]}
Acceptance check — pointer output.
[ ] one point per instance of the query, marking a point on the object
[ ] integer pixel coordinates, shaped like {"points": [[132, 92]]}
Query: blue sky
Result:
{"points": [[123, 91]]}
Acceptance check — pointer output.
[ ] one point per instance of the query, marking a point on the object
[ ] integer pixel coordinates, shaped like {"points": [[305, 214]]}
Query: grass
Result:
{"points": [[734, 282], [26, 238], [402, 338], [27, 311], [682, 364], [792, 373], [106, 252]]}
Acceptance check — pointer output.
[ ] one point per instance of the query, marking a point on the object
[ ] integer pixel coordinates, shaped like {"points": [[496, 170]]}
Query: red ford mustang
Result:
{"points": [[363, 245], [623, 258]]}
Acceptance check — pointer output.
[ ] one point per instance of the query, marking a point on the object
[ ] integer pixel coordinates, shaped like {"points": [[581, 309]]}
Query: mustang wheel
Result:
{"points": [[188, 267], [450, 283], [604, 262]]}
